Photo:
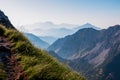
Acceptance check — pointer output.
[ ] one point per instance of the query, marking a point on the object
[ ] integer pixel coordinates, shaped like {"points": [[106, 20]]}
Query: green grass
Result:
{"points": [[37, 63], [2, 72]]}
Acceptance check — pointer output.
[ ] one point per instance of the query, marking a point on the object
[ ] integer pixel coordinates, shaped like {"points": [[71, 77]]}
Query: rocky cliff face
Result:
{"points": [[92, 50], [72, 46], [5, 21]]}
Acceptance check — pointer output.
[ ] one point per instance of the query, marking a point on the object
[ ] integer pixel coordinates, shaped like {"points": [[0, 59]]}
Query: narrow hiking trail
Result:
{"points": [[13, 68]]}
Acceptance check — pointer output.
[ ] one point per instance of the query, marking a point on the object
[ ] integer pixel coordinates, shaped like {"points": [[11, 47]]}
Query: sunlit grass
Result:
{"points": [[38, 64]]}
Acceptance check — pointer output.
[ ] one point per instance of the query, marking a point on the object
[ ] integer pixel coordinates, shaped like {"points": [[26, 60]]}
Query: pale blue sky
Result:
{"points": [[101, 13]]}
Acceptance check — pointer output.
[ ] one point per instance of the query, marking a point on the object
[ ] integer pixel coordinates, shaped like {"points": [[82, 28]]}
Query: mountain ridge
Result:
{"points": [[61, 30], [36, 41], [91, 50], [5, 21], [36, 63]]}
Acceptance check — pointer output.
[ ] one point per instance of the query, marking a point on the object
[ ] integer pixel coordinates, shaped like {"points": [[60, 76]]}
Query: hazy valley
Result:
{"points": [[60, 40]]}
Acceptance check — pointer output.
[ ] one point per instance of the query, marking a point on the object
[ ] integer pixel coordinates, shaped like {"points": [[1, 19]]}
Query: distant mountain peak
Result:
{"points": [[49, 28], [87, 25], [98, 49], [49, 23]]}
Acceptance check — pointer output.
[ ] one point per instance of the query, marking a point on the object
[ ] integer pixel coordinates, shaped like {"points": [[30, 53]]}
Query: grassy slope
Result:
{"points": [[37, 63], [2, 72]]}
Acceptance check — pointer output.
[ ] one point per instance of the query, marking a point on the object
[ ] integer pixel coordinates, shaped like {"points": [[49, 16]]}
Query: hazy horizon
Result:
{"points": [[102, 13]]}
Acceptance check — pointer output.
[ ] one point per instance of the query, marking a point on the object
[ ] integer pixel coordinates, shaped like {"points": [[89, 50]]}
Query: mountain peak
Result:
{"points": [[5, 21], [87, 25], [49, 22]]}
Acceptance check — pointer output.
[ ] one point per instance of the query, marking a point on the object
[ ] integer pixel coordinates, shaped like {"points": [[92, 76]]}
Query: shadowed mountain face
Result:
{"points": [[5, 21], [48, 39], [92, 51], [37, 41], [70, 45]]}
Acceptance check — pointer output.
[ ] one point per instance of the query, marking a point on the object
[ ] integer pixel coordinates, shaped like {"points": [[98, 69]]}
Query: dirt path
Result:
{"points": [[12, 65]]}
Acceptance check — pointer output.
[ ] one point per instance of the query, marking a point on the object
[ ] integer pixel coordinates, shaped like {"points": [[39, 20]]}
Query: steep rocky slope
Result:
{"points": [[72, 46], [91, 51], [37, 64], [20, 60], [5, 21], [12, 66]]}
